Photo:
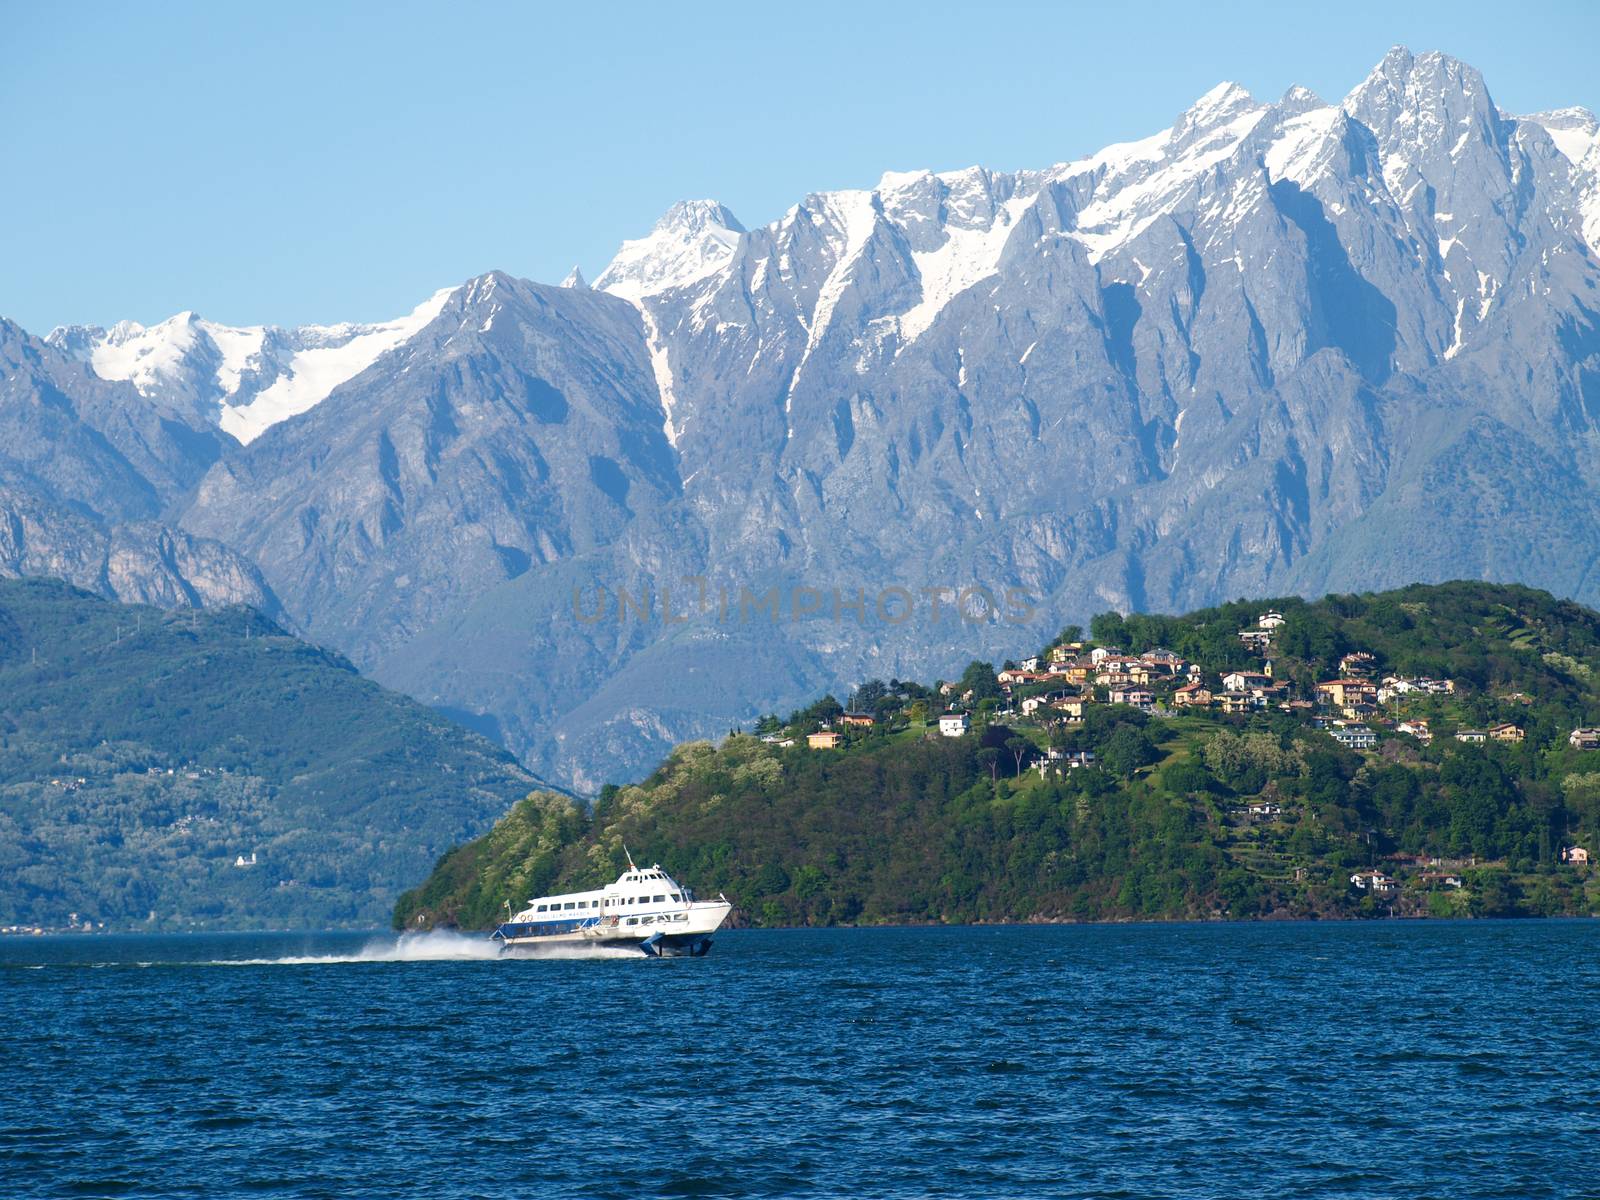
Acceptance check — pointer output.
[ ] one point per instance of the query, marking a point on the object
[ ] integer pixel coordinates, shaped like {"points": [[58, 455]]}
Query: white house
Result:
{"points": [[1243, 681], [1032, 704], [954, 724], [1269, 620], [1375, 881], [1354, 736], [1135, 697]]}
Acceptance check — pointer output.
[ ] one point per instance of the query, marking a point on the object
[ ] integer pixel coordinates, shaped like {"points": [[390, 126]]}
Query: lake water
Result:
{"points": [[1326, 1060]]}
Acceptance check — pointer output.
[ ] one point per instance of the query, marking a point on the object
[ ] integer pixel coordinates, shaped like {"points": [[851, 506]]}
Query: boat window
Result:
{"points": [[676, 898], [570, 904], [543, 908], [633, 920], [659, 899]]}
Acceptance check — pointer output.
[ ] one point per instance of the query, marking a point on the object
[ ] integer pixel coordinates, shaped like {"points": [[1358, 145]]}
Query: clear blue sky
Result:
{"points": [[302, 162]]}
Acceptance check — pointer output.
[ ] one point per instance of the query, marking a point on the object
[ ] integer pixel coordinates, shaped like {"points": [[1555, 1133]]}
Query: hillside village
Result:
{"points": [[1032, 717]]}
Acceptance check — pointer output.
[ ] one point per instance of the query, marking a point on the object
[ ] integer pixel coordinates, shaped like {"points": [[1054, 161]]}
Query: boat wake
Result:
{"points": [[409, 947], [437, 946]]}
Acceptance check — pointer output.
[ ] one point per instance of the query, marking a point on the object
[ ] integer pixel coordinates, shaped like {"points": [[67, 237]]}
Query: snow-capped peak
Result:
{"points": [[1221, 104], [575, 279], [1135, 182], [692, 239], [1301, 99], [248, 378], [1414, 98]]}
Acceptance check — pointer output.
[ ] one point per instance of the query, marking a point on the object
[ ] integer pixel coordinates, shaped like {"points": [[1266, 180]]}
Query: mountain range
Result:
{"points": [[1295, 346]]}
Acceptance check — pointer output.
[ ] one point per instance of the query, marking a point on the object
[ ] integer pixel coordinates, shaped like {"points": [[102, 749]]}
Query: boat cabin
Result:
{"points": [[637, 893]]}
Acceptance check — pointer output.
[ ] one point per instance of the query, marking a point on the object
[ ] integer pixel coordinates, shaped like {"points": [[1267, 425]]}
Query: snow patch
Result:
{"points": [[1574, 144], [1299, 144], [1142, 179], [663, 373], [967, 257], [311, 374], [146, 357], [240, 350], [1455, 345]]}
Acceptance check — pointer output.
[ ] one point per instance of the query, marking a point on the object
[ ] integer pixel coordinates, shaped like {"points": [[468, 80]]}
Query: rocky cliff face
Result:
{"points": [[1296, 345], [88, 472]]}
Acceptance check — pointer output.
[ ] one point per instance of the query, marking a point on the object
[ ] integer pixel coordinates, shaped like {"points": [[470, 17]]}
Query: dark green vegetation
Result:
{"points": [[904, 825], [143, 751]]}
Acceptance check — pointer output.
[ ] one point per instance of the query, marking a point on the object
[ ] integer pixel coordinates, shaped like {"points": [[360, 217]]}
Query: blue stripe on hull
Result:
{"points": [[681, 945], [526, 929]]}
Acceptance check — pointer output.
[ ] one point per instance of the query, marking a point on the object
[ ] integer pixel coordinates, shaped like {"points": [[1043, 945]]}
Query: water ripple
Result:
{"points": [[1287, 1060]]}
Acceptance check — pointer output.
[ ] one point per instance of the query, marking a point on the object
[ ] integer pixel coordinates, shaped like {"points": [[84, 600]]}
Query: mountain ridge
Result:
{"points": [[1290, 345]]}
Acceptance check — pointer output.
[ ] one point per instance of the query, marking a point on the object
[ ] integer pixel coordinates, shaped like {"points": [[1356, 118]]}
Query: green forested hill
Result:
{"points": [[142, 752], [1183, 814]]}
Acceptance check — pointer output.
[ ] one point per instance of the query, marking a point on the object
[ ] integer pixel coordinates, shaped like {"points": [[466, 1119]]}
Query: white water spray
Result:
{"points": [[436, 946]]}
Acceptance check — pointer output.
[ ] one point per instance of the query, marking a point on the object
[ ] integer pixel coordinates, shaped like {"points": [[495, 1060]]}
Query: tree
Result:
{"points": [[989, 758], [1108, 629], [1019, 748], [869, 696], [1128, 749], [979, 679], [825, 709], [1184, 778]]}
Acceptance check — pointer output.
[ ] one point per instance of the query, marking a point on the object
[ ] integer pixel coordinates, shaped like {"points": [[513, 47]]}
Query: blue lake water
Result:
{"points": [[1326, 1060]]}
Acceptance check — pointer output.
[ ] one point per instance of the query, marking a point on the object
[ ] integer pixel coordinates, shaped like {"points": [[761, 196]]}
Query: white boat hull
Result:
{"points": [[684, 932]]}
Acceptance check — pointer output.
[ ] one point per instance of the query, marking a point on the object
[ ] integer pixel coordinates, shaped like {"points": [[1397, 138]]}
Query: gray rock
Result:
{"points": [[1277, 347]]}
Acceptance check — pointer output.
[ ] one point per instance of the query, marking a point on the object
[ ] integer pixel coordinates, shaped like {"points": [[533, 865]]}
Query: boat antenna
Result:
{"points": [[628, 856]]}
